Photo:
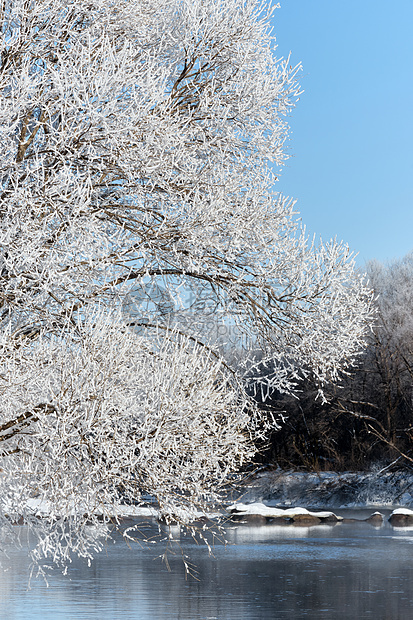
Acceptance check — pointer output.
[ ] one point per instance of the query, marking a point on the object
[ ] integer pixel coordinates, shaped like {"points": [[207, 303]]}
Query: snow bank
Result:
{"points": [[44, 508], [330, 490]]}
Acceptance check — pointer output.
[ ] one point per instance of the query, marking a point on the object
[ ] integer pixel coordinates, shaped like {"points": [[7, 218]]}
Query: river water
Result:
{"points": [[265, 572]]}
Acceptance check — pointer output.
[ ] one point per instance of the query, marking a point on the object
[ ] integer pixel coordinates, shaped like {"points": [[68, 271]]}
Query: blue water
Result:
{"points": [[343, 571]]}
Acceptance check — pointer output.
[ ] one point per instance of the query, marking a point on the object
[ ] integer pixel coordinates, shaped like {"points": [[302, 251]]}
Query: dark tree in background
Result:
{"points": [[368, 417]]}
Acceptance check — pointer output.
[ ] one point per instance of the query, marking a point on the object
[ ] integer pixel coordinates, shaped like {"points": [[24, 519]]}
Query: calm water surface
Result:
{"points": [[343, 571]]}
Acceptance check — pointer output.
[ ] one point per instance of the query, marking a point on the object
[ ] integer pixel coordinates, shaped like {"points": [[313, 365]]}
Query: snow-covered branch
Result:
{"points": [[137, 139]]}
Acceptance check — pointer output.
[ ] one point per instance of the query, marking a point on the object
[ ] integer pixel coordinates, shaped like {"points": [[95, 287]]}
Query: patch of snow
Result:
{"points": [[260, 509], [44, 508], [402, 511]]}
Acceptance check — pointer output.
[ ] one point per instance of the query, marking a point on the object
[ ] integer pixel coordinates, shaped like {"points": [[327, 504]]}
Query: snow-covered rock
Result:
{"points": [[269, 513], [258, 512], [401, 517]]}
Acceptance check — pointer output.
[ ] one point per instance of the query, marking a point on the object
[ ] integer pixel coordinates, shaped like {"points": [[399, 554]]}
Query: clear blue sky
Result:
{"points": [[351, 139]]}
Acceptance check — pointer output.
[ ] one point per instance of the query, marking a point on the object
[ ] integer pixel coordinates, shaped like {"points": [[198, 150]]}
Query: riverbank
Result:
{"points": [[330, 489]]}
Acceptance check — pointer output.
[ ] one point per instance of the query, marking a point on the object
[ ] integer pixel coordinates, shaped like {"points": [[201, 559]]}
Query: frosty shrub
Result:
{"points": [[138, 140]]}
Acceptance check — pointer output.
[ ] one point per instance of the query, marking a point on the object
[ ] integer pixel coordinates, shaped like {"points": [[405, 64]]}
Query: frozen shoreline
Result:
{"points": [[280, 488], [287, 494]]}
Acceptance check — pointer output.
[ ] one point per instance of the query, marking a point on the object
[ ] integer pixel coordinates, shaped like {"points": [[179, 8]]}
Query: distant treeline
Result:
{"points": [[368, 416]]}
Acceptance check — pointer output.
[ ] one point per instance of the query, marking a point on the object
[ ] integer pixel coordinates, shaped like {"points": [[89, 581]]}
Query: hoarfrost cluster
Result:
{"points": [[138, 140]]}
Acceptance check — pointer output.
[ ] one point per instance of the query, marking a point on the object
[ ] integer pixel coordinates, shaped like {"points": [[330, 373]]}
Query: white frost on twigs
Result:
{"points": [[136, 139]]}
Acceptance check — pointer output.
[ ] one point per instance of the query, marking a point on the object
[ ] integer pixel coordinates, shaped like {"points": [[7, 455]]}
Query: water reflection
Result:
{"points": [[265, 572], [261, 533]]}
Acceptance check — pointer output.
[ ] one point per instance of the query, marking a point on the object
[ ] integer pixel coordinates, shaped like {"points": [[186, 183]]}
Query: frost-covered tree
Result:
{"points": [[368, 418], [386, 381], [138, 139]]}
